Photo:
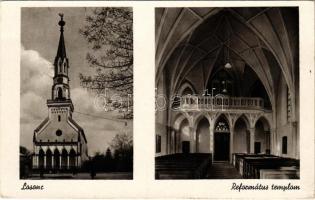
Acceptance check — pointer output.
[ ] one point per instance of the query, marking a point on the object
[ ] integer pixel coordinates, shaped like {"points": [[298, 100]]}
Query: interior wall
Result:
{"points": [[203, 136], [161, 117], [260, 136], [284, 128], [184, 134], [240, 138]]}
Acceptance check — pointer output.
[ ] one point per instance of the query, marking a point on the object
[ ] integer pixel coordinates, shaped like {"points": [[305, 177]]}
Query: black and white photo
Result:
{"points": [[76, 93], [227, 93]]}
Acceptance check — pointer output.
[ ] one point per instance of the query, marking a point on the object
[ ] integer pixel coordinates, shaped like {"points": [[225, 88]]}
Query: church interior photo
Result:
{"points": [[227, 93]]}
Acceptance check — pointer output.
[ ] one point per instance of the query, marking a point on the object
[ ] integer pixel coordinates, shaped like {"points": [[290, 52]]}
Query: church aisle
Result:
{"points": [[222, 170]]}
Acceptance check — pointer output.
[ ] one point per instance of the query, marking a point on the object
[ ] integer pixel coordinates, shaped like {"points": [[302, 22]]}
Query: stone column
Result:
{"points": [[52, 161], [193, 140], [68, 162], [231, 144], [211, 128], [252, 140], [60, 161], [172, 141], [44, 161], [295, 143], [272, 141], [37, 160], [34, 163]]}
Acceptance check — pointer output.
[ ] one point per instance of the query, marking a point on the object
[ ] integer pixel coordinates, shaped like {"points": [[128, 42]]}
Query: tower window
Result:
{"points": [[59, 118], [59, 93]]}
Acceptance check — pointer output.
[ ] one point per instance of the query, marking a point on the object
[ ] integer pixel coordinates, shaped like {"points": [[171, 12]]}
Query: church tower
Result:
{"points": [[59, 142], [60, 88]]}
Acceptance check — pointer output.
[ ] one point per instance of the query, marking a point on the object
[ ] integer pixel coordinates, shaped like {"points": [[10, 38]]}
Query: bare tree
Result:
{"points": [[109, 31], [122, 145]]}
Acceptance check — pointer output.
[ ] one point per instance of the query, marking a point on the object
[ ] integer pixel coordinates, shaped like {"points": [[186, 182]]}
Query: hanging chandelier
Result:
{"points": [[228, 64]]}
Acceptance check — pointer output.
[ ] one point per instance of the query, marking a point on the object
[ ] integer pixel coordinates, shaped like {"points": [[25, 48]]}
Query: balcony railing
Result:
{"points": [[193, 102]]}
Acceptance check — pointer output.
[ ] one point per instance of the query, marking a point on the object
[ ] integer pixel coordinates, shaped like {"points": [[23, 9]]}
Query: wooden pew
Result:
{"points": [[182, 166], [282, 173], [252, 166]]}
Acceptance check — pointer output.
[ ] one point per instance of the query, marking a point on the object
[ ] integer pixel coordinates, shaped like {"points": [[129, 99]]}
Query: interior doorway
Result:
{"points": [[186, 147], [221, 146]]}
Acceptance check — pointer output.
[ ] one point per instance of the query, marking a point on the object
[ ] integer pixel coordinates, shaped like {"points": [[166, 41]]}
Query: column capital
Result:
{"points": [[252, 129]]}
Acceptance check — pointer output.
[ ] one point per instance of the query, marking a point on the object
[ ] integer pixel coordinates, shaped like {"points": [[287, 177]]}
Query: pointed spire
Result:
{"points": [[61, 53]]}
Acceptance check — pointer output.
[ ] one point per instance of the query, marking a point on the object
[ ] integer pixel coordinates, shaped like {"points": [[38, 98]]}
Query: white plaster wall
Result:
{"points": [[240, 140], [284, 128], [203, 137], [260, 136], [161, 117]]}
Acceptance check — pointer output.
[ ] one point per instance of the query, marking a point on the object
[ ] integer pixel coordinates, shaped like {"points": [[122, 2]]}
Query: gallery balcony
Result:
{"points": [[204, 103]]}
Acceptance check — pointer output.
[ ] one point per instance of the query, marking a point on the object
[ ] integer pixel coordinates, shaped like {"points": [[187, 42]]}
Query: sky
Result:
{"points": [[39, 42]]}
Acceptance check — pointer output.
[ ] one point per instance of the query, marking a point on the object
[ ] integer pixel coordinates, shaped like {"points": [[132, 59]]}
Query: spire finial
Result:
{"points": [[61, 22]]}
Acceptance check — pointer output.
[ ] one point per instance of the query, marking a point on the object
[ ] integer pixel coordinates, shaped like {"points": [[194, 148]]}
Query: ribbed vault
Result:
{"points": [[196, 42]]}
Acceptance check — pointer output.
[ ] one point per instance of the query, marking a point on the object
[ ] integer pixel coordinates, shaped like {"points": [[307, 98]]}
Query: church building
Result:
{"points": [[227, 87], [59, 143]]}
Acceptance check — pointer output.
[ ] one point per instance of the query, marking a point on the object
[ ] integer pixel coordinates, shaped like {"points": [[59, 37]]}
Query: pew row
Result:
{"points": [[264, 166], [182, 166]]}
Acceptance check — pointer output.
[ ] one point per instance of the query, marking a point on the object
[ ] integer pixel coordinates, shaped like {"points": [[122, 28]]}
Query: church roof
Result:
{"points": [[79, 127], [42, 124]]}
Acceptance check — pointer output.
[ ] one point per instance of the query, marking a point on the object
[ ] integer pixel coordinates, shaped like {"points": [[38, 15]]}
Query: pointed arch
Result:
{"points": [[222, 117], [266, 123], [245, 119], [187, 85], [179, 119], [200, 116]]}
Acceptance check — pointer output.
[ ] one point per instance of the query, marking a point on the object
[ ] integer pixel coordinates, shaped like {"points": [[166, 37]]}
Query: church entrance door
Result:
{"points": [[221, 146]]}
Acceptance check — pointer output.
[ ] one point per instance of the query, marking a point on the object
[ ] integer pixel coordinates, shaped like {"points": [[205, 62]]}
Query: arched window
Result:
{"points": [[48, 159], [41, 156], [56, 159], [64, 159], [59, 118], [59, 93], [72, 158]]}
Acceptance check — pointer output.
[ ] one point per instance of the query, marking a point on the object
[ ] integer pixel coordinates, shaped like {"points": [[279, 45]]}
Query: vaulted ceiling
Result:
{"points": [[192, 39]]}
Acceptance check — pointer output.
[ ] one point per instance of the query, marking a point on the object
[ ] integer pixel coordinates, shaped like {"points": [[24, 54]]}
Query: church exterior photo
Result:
{"points": [[59, 142], [227, 93], [76, 118]]}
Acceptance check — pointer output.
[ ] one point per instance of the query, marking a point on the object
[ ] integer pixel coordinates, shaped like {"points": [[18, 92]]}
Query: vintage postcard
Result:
{"points": [[157, 99]]}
